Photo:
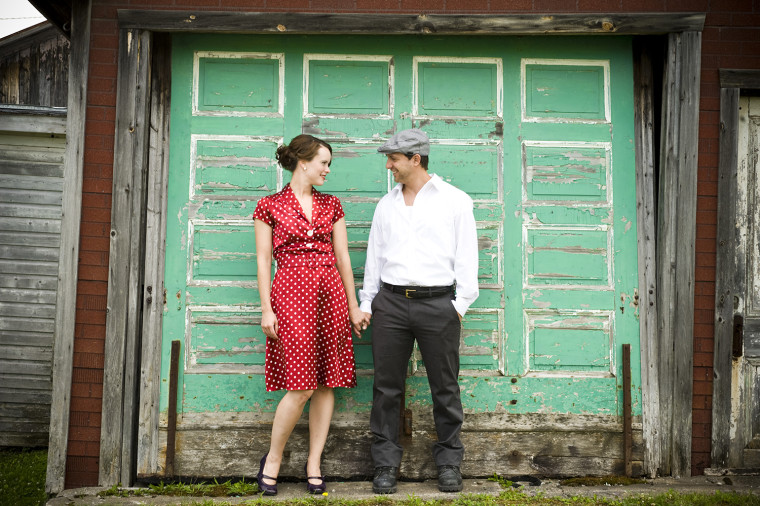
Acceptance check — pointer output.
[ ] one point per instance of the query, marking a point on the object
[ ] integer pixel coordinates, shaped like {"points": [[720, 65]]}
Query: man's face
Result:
{"points": [[401, 166]]}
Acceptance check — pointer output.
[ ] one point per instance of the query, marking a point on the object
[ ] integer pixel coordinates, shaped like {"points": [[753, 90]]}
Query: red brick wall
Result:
{"points": [[94, 244], [731, 39]]}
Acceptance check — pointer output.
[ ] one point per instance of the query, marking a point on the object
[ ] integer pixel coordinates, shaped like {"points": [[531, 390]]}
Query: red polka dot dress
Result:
{"points": [[308, 297]]}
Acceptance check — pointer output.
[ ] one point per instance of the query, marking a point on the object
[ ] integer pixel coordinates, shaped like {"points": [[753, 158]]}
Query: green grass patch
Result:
{"points": [[22, 476], [228, 488], [671, 498], [595, 481]]}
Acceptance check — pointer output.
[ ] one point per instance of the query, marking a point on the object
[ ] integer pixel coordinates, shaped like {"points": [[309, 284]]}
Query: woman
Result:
{"points": [[307, 310]]}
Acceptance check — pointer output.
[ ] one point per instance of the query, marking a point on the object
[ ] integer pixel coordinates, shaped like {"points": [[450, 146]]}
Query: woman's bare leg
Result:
{"points": [[288, 412], [320, 415]]}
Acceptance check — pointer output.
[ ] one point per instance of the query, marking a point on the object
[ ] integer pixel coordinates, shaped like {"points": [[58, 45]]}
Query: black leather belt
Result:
{"points": [[419, 292]]}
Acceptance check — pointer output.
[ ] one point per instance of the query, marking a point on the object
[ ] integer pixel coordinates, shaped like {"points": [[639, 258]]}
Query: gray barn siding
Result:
{"points": [[34, 67], [31, 183]]}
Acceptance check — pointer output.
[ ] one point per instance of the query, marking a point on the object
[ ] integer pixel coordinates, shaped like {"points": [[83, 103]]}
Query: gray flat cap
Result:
{"points": [[413, 141]]}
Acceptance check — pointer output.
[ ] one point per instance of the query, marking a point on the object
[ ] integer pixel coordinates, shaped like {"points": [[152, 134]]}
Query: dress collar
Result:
{"points": [[290, 199]]}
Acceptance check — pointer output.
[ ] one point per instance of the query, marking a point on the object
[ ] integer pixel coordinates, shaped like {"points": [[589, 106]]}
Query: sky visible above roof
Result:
{"points": [[16, 15]]}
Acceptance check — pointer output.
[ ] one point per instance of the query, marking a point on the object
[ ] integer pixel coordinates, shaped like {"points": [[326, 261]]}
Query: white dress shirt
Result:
{"points": [[430, 243]]}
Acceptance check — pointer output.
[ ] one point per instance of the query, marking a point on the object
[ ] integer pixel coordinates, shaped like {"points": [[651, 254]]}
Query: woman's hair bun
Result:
{"points": [[301, 147]]}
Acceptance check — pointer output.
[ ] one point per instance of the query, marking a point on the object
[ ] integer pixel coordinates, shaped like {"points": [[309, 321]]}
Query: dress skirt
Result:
{"points": [[314, 344]]}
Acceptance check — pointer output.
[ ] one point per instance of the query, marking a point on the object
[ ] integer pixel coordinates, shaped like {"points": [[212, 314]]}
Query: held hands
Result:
{"points": [[359, 320], [269, 324]]}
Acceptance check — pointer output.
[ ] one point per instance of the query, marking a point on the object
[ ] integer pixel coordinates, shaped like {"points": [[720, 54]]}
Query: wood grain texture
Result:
{"points": [[438, 24], [739, 78], [125, 264], [676, 252], [646, 212], [69, 260], [525, 444], [34, 68], [155, 237], [725, 277]]}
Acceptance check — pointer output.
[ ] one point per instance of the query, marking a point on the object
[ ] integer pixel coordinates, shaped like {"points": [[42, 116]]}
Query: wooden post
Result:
{"points": [[627, 427], [728, 277], [65, 315], [125, 266], [155, 235], [676, 236], [647, 207], [171, 432]]}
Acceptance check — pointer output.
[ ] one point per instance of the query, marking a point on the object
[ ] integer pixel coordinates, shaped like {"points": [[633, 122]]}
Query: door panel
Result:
{"points": [[746, 418], [538, 132]]}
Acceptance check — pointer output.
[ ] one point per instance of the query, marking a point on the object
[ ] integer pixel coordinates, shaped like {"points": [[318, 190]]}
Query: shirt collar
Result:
{"points": [[434, 181]]}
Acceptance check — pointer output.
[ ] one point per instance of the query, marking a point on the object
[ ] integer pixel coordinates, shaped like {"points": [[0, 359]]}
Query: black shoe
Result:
{"points": [[320, 488], [449, 479], [265, 488], [385, 480]]}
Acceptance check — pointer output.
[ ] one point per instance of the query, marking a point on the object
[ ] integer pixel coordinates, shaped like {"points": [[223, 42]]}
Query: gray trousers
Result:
{"points": [[397, 322]]}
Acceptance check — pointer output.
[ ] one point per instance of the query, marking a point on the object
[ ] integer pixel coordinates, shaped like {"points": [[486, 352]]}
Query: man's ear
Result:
{"points": [[417, 159]]}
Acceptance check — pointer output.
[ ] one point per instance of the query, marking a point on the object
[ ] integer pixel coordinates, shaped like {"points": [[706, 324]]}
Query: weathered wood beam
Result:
{"points": [[40, 122], [235, 452], [738, 78], [438, 24], [68, 266], [645, 215], [688, 142], [725, 282], [125, 262], [155, 235], [676, 247], [139, 130], [26, 38]]}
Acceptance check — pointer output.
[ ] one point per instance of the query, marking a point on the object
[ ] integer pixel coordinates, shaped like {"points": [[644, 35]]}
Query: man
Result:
{"points": [[420, 278]]}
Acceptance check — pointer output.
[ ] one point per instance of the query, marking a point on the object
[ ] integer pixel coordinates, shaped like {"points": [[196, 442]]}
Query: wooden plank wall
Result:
{"points": [[31, 184], [34, 68]]}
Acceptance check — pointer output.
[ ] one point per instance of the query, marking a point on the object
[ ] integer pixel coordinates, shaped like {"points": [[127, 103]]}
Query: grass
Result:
{"points": [[22, 483], [593, 481], [22, 476], [226, 489]]}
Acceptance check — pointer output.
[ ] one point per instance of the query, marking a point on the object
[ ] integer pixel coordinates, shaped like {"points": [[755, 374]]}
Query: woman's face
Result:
{"points": [[317, 169]]}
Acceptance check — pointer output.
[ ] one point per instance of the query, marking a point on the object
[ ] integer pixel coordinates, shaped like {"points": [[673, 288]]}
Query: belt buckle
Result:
{"points": [[406, 292]]}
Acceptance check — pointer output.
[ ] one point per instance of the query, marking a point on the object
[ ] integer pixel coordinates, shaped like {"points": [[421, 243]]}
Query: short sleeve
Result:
{"points": [[337, 209], [263, 212]]}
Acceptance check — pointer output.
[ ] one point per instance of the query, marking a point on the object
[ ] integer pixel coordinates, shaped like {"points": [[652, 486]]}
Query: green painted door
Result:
{"points": [[537, 130]]}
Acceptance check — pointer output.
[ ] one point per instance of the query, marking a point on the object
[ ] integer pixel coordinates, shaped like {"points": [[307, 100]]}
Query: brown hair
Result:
{"points": [[424, 160], [301, 147]]}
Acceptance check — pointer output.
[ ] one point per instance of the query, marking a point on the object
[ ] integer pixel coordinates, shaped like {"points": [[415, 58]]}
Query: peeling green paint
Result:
{"points": [[538, 131]]}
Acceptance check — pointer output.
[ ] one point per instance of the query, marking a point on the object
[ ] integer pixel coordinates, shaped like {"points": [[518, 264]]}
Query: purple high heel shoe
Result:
{"points": [[314, 489], [265, 488]]}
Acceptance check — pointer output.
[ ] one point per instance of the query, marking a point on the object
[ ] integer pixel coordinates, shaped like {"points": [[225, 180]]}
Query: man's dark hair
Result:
{"points": [[423, 159]]}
